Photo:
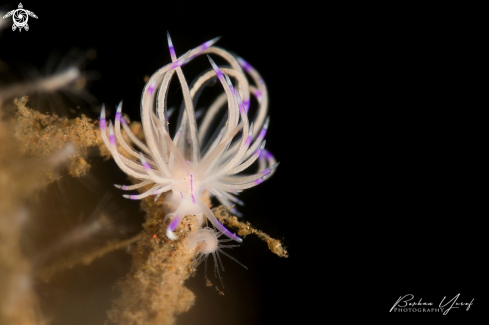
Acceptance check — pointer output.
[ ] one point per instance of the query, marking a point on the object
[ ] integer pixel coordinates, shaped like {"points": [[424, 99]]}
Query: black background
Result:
{"points": [[374, 118]]}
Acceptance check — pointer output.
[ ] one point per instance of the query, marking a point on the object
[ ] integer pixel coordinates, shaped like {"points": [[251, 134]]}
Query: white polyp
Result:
{"points": [[63, 155], [205, 242], [59, 80], [48, 84], [206, 236]]}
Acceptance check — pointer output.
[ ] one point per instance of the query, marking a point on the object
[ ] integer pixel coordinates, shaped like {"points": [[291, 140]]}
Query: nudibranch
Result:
{"points": [[196, 158]]}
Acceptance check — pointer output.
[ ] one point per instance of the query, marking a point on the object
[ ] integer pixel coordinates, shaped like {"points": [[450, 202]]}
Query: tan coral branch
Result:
{"points": [[47, 273], [32, 149], [244, 229], [42, 135], [154, 292]]}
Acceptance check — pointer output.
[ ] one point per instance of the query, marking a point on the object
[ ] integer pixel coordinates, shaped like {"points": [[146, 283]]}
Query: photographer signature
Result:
{"points": [[453, 303]]}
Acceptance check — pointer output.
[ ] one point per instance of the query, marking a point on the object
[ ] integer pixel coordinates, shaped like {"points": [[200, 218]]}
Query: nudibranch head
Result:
{"points": [[196, 158]]}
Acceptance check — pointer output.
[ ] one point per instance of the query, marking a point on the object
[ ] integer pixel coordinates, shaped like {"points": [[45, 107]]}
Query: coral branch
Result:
{"points": [[223, 214], [42, 135], [32, 149], [46, 273], [153, 292]]}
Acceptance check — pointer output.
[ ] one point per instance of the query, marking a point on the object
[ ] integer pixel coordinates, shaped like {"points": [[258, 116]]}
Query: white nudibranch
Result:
{"points": [[205, 242], [196, 158]]}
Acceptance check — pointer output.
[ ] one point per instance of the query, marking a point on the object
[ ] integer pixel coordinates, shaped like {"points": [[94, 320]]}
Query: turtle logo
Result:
{"points": [[20, 17]]}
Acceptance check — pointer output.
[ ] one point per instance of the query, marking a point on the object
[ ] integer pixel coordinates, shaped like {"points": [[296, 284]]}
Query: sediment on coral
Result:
{"points": [[245, 228], [43, 134], [34, 147], [154, 292]]}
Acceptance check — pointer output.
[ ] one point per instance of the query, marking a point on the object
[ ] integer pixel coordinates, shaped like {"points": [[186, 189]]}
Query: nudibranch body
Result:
{"points": [[182, 164]]}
